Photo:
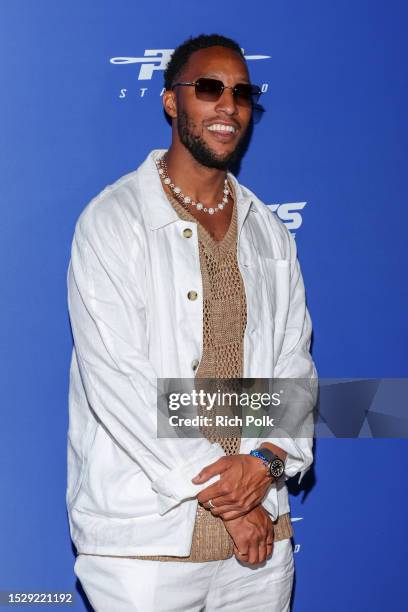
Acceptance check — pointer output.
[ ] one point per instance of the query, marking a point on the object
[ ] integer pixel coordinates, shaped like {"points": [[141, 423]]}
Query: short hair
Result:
{"points": [[183, 52]]}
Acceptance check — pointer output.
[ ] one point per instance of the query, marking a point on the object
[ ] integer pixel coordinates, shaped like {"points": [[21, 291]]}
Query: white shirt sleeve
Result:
{"points": [[108, 320], [295, 362]]}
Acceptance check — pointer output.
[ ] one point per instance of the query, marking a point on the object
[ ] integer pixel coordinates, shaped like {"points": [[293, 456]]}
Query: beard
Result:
{"points": [[199, 148]]}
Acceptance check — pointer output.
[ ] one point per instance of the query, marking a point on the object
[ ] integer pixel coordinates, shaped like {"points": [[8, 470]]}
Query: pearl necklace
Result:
{"points": [[186, 200]]}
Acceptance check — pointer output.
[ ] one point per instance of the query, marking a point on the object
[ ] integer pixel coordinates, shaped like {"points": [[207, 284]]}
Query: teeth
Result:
{"points": [[219, 127]]}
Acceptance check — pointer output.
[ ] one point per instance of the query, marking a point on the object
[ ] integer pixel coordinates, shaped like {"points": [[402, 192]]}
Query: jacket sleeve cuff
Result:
{"points": [[175, 485], [270, 502]]}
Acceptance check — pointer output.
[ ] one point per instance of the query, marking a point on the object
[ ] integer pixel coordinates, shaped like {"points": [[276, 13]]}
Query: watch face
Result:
{"points": [[277, 468]]}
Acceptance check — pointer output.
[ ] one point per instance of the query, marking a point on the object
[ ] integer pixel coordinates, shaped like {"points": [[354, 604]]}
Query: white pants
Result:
{"points": [[116, 584]]}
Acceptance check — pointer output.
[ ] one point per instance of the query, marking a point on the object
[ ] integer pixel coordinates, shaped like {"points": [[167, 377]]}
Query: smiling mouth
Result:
{"points": [[222, 132], [222, 128]]}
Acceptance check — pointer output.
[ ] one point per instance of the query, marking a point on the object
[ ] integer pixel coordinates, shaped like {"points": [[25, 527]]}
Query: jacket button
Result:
{"points": [[187, 233], [192, 295], [194, 364]]}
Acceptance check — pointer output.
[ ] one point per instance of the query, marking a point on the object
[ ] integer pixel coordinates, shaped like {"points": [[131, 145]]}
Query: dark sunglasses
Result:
{"points": [[210, 90]]}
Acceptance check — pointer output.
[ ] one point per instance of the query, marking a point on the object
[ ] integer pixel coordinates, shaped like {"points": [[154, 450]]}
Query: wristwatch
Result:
{"points": [[275, 465]]}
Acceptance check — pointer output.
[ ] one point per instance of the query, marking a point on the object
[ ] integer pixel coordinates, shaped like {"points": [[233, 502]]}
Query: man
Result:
{"points": [[178, 271]]}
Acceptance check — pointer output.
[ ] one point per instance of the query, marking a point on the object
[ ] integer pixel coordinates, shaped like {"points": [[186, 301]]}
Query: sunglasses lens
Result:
{"points": [[211, 89], [247, 94], [208, 89]]}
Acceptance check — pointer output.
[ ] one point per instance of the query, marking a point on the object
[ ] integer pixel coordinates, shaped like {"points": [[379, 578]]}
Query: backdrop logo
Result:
{"points": [[289, 213], [295, 519], [157, 59]]}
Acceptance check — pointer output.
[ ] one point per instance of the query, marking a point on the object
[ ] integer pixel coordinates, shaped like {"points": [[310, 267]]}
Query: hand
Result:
{"points": [[243, 483], [253, 536]]}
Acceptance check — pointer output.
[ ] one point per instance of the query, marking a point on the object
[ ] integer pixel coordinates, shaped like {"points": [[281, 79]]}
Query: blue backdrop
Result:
{"points": [[329, 153]]}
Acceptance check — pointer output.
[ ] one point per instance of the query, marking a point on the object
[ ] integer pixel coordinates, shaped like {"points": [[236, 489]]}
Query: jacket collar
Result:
{"points": [[158, 210]]}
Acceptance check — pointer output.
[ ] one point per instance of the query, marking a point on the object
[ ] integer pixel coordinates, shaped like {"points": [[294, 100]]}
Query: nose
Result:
{"points": [[226, 102]]}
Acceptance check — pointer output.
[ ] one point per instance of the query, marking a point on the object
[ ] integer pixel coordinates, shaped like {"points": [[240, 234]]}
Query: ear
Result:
{"points": [[170, 103]]}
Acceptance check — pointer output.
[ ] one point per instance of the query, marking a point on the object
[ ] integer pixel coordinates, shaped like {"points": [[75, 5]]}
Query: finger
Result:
{"points": [[228, 503], [217, 467], [225, 501], [228, 513], [232, 514], [221, 510], [224, 504], [270, 538], [241, 556], [253, 555], [210, 492], [262, 551], [232, 500]]}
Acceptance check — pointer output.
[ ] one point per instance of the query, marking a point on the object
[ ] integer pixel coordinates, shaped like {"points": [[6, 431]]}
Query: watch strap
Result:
{"points": [[267, 453]]}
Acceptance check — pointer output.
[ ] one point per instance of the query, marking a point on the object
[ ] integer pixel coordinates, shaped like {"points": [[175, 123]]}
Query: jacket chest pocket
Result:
{"points": [[276, 281]]}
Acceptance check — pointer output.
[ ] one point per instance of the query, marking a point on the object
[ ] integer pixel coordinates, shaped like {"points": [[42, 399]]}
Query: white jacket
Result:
{"points": [[131, 267]]}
